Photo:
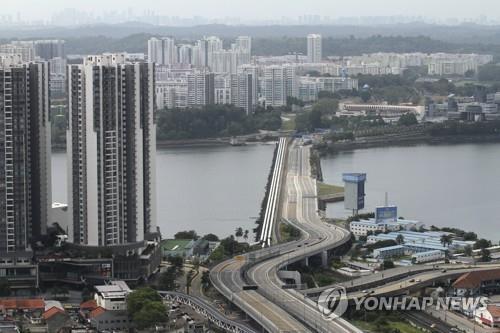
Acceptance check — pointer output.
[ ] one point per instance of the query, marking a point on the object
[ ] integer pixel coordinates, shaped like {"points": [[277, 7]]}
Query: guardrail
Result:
{"points": [[274, 191], [207, 310]]}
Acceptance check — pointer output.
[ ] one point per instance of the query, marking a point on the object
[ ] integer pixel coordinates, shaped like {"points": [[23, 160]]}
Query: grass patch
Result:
{"points": [[392, 326], [288, 123], [327, 189], [288, 233]]}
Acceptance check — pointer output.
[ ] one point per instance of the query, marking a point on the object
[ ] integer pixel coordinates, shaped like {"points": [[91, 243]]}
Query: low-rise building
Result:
{"points": [[112, 296], [371, 226], [478, 283], [390, 252], [427, 256], [488, 316]]}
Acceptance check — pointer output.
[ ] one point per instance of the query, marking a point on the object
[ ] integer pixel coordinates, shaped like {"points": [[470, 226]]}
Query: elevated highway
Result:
{"points": [[275, 307]]}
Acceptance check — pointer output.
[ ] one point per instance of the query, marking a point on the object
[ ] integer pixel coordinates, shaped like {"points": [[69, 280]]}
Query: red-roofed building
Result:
{"points": [[97, 312], [479, 282], [32, 308], [51, 313], [56, 319], [489, 316], [87, 307], [22, 304]]}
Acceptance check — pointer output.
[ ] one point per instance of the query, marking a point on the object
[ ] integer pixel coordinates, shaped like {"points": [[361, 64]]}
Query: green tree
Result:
{"points": [[238, 232], [245, 235], [388, 264], [205, 279], [167, 279], [485, 255], [152, 313], [191, 234], [176, 261], [139, 297], [408, 119], [400, 239], [211, 238], [482, 244], [468, 251], [189, 280], [365, 96], [326, 106], [446, 240]]}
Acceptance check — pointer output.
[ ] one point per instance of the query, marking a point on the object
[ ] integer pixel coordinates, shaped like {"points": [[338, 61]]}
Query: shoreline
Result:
{"points": [[408, 141], [191, 143]]}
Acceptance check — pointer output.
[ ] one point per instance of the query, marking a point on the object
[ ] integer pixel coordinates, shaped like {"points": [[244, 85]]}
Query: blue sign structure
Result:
{"points": [[354, 191], [386, 214]]}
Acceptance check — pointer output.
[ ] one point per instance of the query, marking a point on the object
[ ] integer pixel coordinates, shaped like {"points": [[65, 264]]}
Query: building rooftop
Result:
{"points": [[113, 290], [474, 279], [51, 313], [175, 244], [88, 305], [22, 304], [97, 312]]}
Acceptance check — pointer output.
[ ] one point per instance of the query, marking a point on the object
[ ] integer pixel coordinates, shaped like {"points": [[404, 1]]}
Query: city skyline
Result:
{"points": [[29, 10]]}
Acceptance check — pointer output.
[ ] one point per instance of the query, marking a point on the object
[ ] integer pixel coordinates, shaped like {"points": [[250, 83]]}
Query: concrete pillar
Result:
{"points": [[324, 259], [306, 262]]}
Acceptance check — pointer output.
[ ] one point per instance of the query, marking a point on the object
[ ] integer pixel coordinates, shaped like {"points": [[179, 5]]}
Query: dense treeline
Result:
{"points": [[213, 121], [459, 128]]}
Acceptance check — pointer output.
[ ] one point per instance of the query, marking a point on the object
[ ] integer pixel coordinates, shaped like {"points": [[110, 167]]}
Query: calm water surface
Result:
{"points": [[208, 189], [451, 185]]}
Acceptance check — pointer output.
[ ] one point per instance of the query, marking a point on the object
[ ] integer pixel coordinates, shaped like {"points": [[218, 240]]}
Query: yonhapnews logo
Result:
{"points": [[333, 302]]}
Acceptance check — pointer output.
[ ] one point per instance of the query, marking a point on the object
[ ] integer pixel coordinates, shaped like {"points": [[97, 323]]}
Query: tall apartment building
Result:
{"points": [[50, 49], [211, 45], [185, 54], [244, 88], [244, 43], [279, 83], [162, 51], [111, 141], [314, 48], [26, 49], [201, 89], [25, 176]]}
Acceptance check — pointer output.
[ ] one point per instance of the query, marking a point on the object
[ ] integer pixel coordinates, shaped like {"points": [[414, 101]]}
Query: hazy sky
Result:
{"points": [[263, 9]]}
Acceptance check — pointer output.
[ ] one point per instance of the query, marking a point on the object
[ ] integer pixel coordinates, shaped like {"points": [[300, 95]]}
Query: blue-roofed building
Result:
{"points": [[389, 252], [371, 226], [427, 245]]}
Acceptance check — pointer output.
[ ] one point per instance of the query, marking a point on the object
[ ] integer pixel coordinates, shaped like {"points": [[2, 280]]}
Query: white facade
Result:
{"points": [[279, 82], [113, 296], [162, 51], [314, 48], [111, 146]]}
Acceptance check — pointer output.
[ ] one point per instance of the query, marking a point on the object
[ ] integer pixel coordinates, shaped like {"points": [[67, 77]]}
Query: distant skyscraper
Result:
{"points": [[185, 54], [111, 142], [25, 176], [244, 43], [50, 49], [314, 48], [212, 44], [26, 49], [162, 51]]}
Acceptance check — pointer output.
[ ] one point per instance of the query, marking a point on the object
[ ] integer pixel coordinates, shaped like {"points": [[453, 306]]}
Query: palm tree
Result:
{"points": [[238, 232], [400, 239], [468, 251], [446, 240]]}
